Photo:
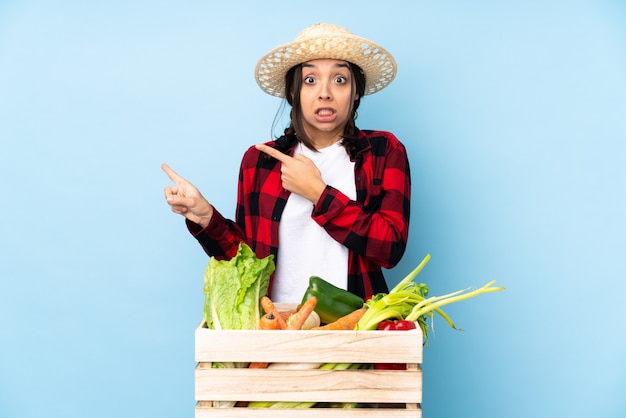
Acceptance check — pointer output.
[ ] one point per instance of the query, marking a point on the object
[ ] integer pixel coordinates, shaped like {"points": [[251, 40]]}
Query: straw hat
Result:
{"points": [[325, 40]]}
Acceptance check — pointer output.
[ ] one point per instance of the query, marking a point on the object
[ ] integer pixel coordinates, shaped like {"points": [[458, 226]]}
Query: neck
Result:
{"points": [[326, 139]]}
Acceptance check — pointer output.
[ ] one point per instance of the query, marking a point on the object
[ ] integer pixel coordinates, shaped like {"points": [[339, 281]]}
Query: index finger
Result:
{"points": [[273, 152], [172, 174]]}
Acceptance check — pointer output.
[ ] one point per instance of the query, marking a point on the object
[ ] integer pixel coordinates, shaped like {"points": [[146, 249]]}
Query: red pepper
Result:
{"points": [[404, 325], [387, 326], [400, 325]]}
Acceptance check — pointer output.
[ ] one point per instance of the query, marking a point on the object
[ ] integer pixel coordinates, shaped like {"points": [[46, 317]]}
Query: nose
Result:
{"points": [[324, 92]]}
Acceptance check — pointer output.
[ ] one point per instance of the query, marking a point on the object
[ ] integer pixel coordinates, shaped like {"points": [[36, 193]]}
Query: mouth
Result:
{"points": [[325, 114]]}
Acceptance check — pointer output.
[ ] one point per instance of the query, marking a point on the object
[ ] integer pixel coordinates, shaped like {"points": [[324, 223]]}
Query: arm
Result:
{"points": [[220, 238], [377, 225]]}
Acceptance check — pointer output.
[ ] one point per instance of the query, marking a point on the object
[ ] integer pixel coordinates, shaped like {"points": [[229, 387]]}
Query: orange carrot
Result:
{"points": [[297, 320], [269, 321], [268, 306], [345, 323], [258, 365]]}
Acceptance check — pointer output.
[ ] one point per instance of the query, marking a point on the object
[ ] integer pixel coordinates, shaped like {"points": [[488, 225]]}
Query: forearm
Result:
{"points": [[379, 235], [219, 238]]}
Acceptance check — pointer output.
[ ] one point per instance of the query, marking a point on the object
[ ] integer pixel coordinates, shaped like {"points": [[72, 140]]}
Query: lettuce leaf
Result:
{"points": [[233, 289]]}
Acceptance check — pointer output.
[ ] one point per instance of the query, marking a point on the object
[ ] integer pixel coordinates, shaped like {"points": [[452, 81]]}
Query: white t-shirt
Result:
{"points": [[305, 249]]}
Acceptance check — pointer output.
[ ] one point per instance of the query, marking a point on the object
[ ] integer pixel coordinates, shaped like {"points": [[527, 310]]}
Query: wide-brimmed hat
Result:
{"points": [[324, 40]]}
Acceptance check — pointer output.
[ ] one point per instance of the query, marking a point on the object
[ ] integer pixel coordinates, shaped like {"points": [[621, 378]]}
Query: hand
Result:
{"points": [[186, 200], [299, 174]]}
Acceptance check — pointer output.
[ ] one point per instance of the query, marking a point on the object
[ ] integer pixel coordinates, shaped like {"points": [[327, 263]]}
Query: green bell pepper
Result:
{"points": [[332, 302]]}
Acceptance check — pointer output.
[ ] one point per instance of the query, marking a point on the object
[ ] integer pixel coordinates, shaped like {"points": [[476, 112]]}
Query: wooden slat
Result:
{"points": [[361, 386], [309, 346]]}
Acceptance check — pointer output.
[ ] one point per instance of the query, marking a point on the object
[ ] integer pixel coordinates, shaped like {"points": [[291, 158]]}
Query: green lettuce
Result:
{"points": [[233, 289]]}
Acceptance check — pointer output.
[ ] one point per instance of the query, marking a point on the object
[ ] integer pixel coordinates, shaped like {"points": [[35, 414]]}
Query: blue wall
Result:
{"points": [[514, 115]]}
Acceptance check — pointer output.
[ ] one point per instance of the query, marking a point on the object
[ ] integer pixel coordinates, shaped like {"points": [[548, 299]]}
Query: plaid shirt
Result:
{"points": [[374, 227]]}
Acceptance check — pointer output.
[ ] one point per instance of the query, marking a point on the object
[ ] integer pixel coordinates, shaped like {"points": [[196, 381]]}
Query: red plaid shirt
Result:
{"points": [[374, 227]]}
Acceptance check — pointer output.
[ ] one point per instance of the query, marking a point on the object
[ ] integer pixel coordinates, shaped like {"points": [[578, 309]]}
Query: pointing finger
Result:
{"points": [[172, 174], [273, 152]]}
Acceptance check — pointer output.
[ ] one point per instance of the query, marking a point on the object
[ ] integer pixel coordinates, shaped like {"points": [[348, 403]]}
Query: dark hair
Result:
{"points": [[293, 84]]}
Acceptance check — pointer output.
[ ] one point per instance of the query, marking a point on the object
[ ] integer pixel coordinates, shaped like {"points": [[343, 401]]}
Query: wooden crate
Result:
{"points": [[386, 393]]}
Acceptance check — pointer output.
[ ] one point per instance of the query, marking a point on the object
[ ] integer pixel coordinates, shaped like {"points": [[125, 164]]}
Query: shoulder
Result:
{"points": [[380, 140]]}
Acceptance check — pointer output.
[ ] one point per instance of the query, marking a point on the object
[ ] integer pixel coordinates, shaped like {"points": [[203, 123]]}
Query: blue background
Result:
{"points": [[514, 116]]}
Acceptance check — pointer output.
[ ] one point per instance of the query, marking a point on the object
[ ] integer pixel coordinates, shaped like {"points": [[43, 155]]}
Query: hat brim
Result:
{"points": [[376, 62]]}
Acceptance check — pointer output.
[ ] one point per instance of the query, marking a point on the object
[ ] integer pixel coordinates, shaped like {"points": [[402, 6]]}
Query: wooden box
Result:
{"points": [[382, 393]]}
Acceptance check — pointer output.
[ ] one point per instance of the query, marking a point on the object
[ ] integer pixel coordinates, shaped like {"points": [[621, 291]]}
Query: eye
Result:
{"points": [[309, 80], [341, 79]]}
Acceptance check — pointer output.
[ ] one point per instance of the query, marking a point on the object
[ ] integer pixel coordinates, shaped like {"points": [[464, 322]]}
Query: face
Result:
{"points": [[326, 98]]}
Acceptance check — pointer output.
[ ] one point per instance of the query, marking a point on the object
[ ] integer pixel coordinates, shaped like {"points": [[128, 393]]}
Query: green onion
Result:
{"points": [[409, 300], [409, 278]]}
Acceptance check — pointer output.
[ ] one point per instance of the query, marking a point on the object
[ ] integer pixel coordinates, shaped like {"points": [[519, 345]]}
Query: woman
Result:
{"points": [[326, 198]]}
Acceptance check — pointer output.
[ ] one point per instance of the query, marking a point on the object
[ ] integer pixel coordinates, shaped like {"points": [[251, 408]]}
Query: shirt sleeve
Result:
{"points": [[220, 238], [376, 226]]}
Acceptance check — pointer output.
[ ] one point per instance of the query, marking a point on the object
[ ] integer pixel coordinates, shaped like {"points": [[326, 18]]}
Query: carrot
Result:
{"points": [[345, 323], [268, 306], [258, 365], [297, 320], [269, 321]]}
